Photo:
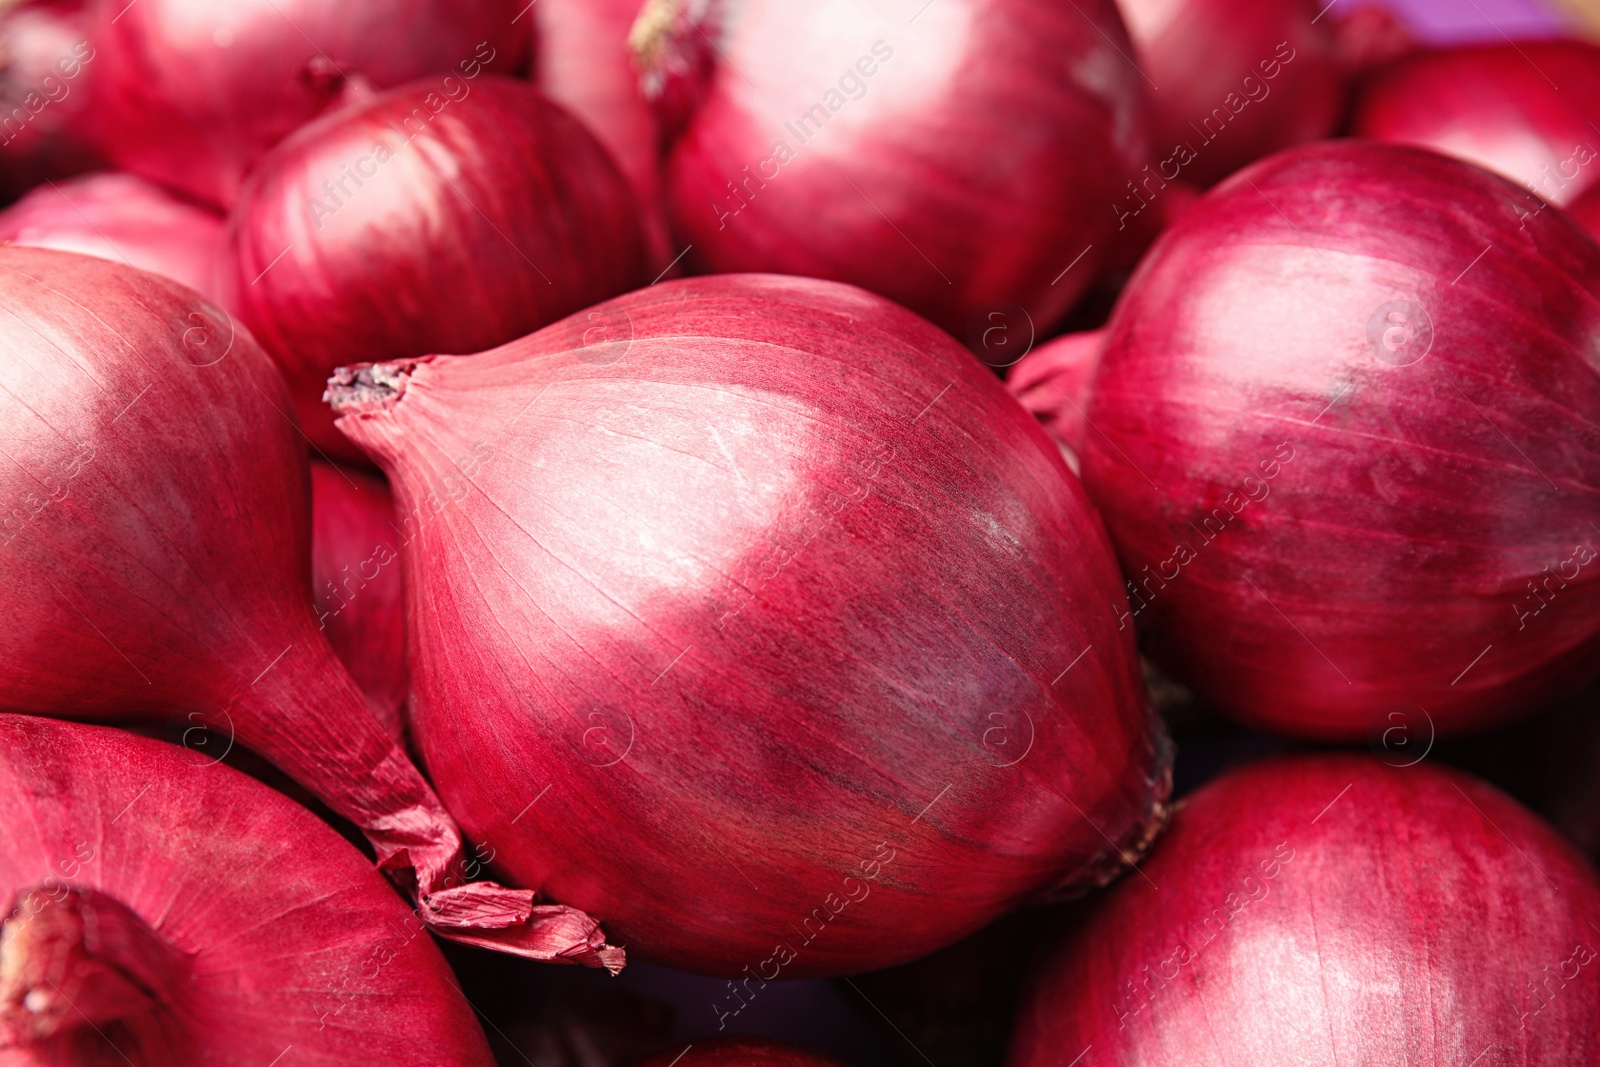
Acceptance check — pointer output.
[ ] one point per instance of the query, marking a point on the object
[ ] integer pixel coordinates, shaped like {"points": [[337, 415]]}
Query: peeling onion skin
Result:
{"points": [[191, 93], [982, 158], [1052, 382], [1522, 111], [659, 640], [355, 583], [1380, 364], [742, 1052], [1355, 913], [502, 215], [257, 926], [124, 219], [155, 538]]}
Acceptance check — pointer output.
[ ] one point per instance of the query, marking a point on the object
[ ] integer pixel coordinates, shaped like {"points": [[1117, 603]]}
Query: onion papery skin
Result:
{"points": [[1527, 111], [355, 583], [1230, 81], [497, 215], [276, 932], [1052, 382], [45, 64], [1340, 460], [190, 93], [585, 64], [731, 600], [1332, 910], [155, 538], [742, 1052], [124, 219], [895, 182]]}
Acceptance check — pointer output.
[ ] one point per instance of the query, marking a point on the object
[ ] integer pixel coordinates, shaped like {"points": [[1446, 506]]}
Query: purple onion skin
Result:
{"points": [[1333, 910], [1346, 437]]}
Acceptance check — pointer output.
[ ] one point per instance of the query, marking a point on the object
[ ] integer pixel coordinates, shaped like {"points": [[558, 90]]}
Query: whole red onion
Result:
{"points": [[961, 159], [155, 541], [355, 583], [1331, 909], [190, 93], [1528, 111], [1052, 382], [741, 1052], [167, 912], [423, 222], [45, 59], [1230, 81], [121, 218], [774, 603], [1349, 470]]}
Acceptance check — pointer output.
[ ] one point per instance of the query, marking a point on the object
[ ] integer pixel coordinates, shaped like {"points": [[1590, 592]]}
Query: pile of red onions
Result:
{"points": [[155, 536], [1528, 111], [166, 912], [124, 219], [761, 593], [191, 92], [448, 215], [1333, 909], [742, 1052], [45, 65], [962, 159], [1345, 434]]}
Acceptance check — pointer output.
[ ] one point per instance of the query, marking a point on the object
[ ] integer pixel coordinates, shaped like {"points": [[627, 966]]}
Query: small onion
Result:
{"points": [[166, 912], [741, 1052], [1528, 111], [1326, 910], [1346, 437], [121, 218], [961, 160], [775, 604], [45, 65], [190, 93]]}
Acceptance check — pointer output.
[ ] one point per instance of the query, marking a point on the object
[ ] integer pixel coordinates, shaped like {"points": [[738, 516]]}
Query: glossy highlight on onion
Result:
{"points": [[1331, 910], [1345, 434], [761, 592], [165, 911]]}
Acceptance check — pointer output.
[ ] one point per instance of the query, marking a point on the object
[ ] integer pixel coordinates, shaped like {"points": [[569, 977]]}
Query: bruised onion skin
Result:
{"points": [[155, 539], [742, 1052], [427, 219], [45, 65], [355, 583], [190, 93], [1331, 910], [124, 219], [1346, 437], [1230, 81], [166, 911], [958, 160], [1527, 111], [1052, 382], [773, 605]]}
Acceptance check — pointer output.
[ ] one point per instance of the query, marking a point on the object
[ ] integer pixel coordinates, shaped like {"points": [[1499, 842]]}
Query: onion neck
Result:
{"points": [[82, 973]]}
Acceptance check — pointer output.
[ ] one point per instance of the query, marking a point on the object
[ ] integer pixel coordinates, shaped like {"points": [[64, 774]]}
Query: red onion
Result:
{"points": [[773, 603], [1332, 909], [585, 64], [121, 218], [1052, 382], [1586, 209], [155, 537], [45, 61], [1229, 82], [961, 159], [355, 583], [420, 222], [165, 912], [1528, 111], [741, 1052], [190, 93], [1348, 468]]}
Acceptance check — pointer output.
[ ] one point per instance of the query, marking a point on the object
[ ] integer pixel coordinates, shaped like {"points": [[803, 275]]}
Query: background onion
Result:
{"points": [[124, 219], [776, 604], [1052, 382], [1586, 209], [422, 222], [45, 65], [1527, 111], [1347, 467], [742, 1052], [190, 93], [164, 911], [1327, 910], [962, 159]]}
